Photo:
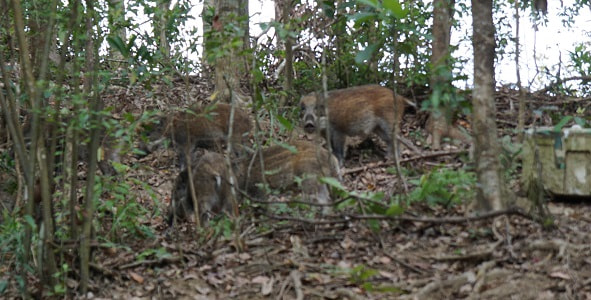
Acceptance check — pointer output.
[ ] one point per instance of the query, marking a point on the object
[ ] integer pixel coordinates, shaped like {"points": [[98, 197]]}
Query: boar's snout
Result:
{"points": [[309, 123]]}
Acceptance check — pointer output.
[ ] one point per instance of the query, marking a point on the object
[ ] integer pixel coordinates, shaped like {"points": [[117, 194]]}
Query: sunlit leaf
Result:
{"points": [[366, 53], [395, 8]]}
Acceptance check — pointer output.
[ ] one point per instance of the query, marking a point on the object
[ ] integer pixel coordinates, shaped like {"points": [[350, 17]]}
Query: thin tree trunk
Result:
{"points": [[29, 84], [230, 66], [116, 19], [160, 27], [439, 120], [282, 10], [490, 189], [206, 67], [90, 84], [521, 109]]}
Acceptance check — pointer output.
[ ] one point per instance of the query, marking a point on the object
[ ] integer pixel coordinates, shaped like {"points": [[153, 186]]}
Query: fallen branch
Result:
{"points": [[150, 262], [390, 163], [444, 220], [296, 276], [404, 264], [447, 220]]}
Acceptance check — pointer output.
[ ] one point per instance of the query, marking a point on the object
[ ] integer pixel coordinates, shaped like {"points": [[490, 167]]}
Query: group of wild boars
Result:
{"points": [[213, 178], [200, 127], [355, 111]]}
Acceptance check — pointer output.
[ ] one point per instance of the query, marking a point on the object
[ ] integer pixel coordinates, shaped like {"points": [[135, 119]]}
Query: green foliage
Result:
{"points": [[159, 253], [580, 59], [223, 226], [510, 157], [362, 275], [225, 40], [445, 94], [12, 252], [444, 186], [367, 202]]}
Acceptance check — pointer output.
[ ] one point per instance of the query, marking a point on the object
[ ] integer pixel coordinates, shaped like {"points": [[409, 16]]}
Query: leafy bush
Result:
{"points": [[444, 186]]}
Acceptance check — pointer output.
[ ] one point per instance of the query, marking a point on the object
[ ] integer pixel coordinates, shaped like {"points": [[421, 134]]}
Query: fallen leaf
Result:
{"points": [[384, 260], [260, 279], [267, 287], [136, 277], [560, 275], [347, 243]]}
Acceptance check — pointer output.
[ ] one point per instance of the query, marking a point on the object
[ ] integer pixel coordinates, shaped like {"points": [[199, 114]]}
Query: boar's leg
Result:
{"points": [[384, 131], [338, 145], [318, 192], [181, 205]]}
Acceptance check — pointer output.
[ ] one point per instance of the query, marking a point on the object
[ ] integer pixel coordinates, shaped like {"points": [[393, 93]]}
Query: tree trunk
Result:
{"points": [[491, 185], [206, 19], [230, 67], [440, 124], [282, 11], [90, 89], [116, 19], [521, 109], [160, 27]]}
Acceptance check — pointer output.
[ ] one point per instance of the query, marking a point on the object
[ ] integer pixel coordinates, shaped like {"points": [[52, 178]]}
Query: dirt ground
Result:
{"points": [[427, 253]]}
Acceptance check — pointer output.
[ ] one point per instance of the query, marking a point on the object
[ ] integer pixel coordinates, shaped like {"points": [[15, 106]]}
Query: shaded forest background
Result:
{"points": [[78, 76]]}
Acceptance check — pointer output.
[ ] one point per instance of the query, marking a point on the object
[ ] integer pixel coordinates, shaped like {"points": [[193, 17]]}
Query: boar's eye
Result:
{"points": [[302, 110]]}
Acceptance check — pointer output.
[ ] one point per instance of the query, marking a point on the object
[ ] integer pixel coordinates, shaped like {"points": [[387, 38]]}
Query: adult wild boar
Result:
{"points": [[355, 111]]}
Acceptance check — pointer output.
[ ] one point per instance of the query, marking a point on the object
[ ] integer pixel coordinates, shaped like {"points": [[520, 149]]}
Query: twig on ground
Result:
{"points": [[297, 284], [400, 262], [446, 220], [390, 163], [150, 262]]}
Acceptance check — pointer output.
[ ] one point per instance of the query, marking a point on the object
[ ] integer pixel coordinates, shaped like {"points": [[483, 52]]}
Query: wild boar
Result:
{"points": [[282, 166], [355, 111], [212, 181], [199, 127]]}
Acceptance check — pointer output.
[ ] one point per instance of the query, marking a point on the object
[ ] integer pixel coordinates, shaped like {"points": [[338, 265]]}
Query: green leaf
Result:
{"points": [[395, 8], [30, 221], [119, 167], [366, 53], [371, 3], [361, 17], [562, 122], [118, 44], [284, 122], [374, 225], [289, 147], [333, 182], [3, 286], [580, 121], [394, 210]]}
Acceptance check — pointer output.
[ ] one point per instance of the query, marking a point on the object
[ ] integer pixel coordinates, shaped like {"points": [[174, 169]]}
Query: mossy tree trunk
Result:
{"points": [[491, 184]]}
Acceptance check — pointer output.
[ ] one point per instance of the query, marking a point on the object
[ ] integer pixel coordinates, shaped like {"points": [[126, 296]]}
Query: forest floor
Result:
{"points": [[429, 252]]}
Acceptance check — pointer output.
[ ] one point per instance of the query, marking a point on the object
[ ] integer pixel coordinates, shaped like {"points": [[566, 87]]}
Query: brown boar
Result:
{"points": [[200, 127], [282, 166], [212, 181], [355, 111]]}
